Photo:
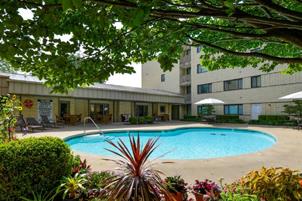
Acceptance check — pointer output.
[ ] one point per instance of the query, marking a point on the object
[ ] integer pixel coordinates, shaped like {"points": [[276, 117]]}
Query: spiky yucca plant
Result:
{"points": [[136, 180]]}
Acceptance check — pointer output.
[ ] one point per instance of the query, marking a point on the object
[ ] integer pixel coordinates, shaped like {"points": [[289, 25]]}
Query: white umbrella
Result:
{"points": [[297, 95], [209, 101]]}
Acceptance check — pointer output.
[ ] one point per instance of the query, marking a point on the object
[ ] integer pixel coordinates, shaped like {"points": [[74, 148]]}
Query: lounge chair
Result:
{"points": [[25, 127], [46, 123], [60, 120], [32, 122], [22, 124], [299, 124], [208, 118]]}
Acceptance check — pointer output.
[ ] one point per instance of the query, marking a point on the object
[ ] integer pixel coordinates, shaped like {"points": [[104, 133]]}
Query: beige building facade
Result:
{"points": [[247, 92], [98, 100]]}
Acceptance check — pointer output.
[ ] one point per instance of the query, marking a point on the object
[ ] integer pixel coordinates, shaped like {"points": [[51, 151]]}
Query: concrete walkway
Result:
{"points": [[286, 152]]}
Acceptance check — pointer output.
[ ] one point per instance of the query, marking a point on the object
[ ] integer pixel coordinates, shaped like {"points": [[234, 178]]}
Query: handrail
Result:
{"points": [[89, 118]]}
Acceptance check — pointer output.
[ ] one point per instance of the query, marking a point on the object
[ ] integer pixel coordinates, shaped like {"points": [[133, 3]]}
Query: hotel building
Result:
{"points": [[96, 101], [247, 92]]}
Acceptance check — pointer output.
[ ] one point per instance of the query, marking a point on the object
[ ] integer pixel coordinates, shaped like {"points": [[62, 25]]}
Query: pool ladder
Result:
{"points": [[89, 118]]}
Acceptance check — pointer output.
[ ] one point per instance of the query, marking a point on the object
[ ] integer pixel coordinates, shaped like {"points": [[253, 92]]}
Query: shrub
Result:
{"points": [[229, 119], [273, 120], [98, 179], [141, 120], [191, 118], [230, 196], [234, 192], [79, 166], [133, 120], [148, 119], [32, 165], [273, 184], [176, 184], [9, 108], [206, 188], [73, 186], [136, 179]]}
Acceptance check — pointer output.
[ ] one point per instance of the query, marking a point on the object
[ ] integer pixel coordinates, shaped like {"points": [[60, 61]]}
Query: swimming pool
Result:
{"points": [[182, 143]]}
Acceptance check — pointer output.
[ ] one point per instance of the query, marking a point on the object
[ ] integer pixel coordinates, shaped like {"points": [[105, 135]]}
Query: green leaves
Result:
{"points": [[9, 107], [71, 4], [150, 30], [230, 4]]}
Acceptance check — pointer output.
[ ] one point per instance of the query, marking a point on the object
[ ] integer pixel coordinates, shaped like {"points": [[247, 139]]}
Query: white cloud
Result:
{"points": [[132, 80]]}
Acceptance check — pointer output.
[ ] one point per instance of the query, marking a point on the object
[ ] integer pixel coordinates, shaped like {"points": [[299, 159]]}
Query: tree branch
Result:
{"points": [[271, 5], [249, 54]]}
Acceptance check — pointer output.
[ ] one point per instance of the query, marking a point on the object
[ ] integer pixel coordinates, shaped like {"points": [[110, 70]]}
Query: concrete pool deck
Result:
{"points": [[286, 152]]}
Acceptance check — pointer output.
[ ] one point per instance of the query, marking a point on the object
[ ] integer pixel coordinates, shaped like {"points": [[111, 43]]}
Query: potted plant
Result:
{"points": [[177, 188], [135, 179], [73, 187], [206, 190]]}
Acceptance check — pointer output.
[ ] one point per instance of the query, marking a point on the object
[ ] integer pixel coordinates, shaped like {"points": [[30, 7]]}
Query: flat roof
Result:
{"points": [[109, 87]]}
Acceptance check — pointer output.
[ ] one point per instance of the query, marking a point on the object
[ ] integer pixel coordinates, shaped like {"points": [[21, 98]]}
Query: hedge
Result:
{"points": [[229, 119], [32, 165], [141, 120], [277, 120], [191, 118], [273, 118]]}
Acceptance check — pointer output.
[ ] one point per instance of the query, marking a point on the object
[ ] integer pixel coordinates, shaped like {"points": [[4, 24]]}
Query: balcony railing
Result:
{"points": [[185, 61], [185, 80], [187, 98], [185, 64]]}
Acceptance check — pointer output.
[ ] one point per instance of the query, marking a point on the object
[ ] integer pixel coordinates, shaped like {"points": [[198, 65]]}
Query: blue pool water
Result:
{"points": [[184, 143]]}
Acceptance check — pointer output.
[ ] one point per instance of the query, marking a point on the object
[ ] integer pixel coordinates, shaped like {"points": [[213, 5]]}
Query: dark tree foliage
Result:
{"points": [[233, 33]]}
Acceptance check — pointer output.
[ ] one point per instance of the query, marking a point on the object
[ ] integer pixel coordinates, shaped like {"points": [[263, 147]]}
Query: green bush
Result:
{"points": [[141, 120], [32, 165], [229, 119], [273, 120], [98, 180], [148, 119], [133, 120], [273, 184], [191, 118]]}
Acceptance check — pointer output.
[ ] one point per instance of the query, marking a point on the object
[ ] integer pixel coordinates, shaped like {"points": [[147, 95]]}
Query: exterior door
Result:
{"points": [[64, 108], [256, 111], [175, 112]]}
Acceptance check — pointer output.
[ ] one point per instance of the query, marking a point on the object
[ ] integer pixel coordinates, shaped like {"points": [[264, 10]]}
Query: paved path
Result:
{"points": [[287, 152]]}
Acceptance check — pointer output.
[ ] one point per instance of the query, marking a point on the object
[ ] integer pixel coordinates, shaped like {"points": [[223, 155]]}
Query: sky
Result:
{"points": [[132, 80]]}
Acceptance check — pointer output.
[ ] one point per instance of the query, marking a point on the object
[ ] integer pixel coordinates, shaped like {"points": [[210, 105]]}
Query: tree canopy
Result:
{"points": [[5, 67], [72, 43]]}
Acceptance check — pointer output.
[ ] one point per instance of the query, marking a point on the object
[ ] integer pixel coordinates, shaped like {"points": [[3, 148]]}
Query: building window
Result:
{"points": [[162, 77], [99, 109], [236, 109], [204, 88], [198, 49], [232, 84], [188, 109], [141, 110], [188, 71], [256, 81], [188, 89], [162, 109], [201, 69]]}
